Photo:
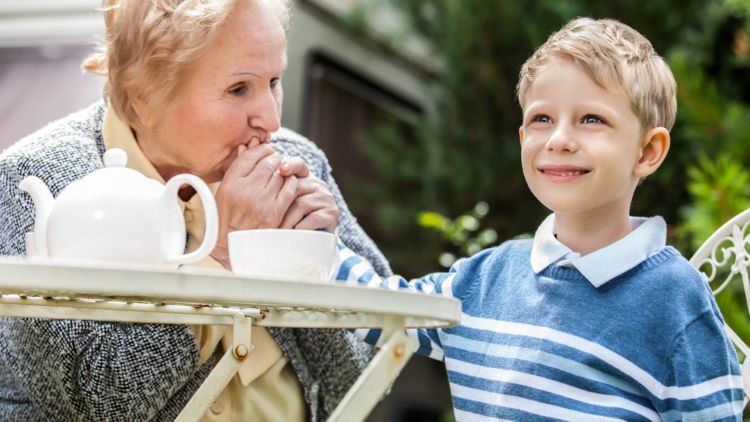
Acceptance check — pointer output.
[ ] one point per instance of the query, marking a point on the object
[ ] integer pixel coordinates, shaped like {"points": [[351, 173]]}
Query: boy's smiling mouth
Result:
{"points": [[562, 172]]}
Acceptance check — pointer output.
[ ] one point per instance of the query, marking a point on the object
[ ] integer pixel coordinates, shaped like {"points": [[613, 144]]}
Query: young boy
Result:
{"points": [[596, 318]]}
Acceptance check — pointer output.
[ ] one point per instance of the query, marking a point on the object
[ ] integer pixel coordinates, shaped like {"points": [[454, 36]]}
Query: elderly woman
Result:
{"points": [[192, 86]]}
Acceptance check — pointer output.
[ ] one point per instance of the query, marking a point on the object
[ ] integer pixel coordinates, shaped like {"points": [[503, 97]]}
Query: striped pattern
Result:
{"points": [[532, 347]]}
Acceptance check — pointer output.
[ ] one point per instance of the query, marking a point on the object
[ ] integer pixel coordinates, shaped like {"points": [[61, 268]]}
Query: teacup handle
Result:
{"points": [[211, 233]]}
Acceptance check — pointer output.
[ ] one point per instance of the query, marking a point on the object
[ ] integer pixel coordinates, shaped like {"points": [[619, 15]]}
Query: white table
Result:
{"points": [[141, 294]]}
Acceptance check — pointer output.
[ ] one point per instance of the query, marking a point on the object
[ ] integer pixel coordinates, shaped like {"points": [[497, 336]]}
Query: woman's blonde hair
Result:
{"points": [[151, 44], [614, 55]]}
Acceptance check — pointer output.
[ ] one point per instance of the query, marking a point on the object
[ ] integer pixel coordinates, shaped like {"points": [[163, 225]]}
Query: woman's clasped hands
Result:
{"points": [[263, 190]]}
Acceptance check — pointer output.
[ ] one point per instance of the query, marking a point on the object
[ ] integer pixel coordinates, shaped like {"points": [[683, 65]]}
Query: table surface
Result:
{"points": [[339, 305]]}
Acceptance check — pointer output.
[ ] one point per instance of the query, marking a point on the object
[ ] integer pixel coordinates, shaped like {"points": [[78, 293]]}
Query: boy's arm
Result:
{"points": [[355, 270], [706, 374]]}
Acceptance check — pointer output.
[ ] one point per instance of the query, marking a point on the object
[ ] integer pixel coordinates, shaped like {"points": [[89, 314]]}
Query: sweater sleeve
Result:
{"points": [[355, 270], [352, 233], [86, 370], [705, 374]]}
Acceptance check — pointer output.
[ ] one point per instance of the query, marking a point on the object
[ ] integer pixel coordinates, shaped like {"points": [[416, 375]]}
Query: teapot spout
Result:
{"points": [[43, 202]]}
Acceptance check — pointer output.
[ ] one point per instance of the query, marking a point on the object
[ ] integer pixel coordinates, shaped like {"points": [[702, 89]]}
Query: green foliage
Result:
{"points": [[734, 309], [712, 139], [467, 150], [460, 232], [720, 189]]}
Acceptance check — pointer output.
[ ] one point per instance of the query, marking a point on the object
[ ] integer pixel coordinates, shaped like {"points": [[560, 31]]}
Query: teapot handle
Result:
{"points": [[211, 232]]}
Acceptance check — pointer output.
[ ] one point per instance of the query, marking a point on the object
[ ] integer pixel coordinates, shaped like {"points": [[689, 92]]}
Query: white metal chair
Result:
{"points": [[724, 259]]}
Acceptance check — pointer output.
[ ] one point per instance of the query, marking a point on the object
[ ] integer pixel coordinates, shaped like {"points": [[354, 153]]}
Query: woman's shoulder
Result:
{"points": [[289, 142], [63, 150]]}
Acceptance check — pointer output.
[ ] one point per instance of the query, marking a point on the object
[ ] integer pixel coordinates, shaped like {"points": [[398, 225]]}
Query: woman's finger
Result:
{"points": [[310, 185], [264, 170], [322, 219], [296, 212], [247, 159], [274, 184], [319, 204], [286, 196], [294, 166]]}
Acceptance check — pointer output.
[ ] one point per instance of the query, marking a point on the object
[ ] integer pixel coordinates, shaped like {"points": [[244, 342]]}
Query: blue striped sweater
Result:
{"points": [[648, 345]]}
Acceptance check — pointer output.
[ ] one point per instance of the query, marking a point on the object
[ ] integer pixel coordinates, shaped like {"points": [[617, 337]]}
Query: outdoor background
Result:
{"points": [[414, 103]]}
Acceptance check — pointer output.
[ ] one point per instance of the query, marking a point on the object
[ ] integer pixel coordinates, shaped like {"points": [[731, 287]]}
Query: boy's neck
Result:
{"points": [[588, 233]]}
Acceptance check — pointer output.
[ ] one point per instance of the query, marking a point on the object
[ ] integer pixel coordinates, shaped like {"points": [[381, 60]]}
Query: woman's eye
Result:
{"points": [[591, 119], [275, 82], [238, 90]]}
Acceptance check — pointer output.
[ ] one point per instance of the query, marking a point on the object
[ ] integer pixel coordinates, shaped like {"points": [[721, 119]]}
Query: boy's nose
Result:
{"points": [[561, 140]]}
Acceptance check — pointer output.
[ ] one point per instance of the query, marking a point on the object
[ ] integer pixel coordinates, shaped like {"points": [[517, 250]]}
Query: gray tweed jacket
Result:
{"points": [[84, 370]]}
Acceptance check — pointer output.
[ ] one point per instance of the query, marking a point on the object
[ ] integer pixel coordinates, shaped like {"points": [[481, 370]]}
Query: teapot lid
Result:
{"points": [[115, 157], [114, 180]]}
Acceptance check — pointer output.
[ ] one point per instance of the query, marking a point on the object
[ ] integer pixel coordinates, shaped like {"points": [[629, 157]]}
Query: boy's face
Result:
{"points": [[580, 143]]}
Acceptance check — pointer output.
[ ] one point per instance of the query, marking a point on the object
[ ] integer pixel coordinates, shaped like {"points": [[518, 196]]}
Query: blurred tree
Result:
{"points": [[467, 151], [460, 231], [713, 137]]}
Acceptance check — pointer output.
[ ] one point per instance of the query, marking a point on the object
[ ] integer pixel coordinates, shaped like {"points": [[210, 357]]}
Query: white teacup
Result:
{"points": [[294, 255]]}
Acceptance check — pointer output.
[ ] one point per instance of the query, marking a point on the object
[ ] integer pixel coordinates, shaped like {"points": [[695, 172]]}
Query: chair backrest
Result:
{"points": [[724, 259]]}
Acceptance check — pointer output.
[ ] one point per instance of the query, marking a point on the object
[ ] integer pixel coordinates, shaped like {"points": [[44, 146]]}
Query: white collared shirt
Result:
{"points": [[648, 237]]}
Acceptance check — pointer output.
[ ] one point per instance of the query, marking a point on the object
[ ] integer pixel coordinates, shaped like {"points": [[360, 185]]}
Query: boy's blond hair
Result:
{"points": [[614, 55], [151, 44]]}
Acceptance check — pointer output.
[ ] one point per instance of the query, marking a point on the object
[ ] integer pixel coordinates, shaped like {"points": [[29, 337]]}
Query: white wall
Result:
{"points": [[49, 22], [39, 85], [42, 43]]}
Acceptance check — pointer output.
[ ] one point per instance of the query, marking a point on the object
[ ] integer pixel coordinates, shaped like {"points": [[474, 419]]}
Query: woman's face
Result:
{"points": [[232, 96]]}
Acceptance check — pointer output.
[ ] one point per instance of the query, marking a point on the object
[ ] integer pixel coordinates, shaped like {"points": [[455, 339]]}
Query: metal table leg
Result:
{"points": [[379, 374], [222, 373]]}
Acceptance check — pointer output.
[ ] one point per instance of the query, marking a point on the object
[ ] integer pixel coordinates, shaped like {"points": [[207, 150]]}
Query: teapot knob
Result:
{"points": [[115, 157]]}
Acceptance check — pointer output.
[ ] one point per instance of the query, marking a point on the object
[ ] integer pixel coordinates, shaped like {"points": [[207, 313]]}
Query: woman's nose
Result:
{"points": [[562, 139], [265, 113]]}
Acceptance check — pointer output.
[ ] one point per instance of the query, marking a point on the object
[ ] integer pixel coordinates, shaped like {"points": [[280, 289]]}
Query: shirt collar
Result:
{"points": [[648, 237], [117, 134]]}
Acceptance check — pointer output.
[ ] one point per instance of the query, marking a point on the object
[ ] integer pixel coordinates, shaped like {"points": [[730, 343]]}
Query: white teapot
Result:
{"points": [[117, 214]]}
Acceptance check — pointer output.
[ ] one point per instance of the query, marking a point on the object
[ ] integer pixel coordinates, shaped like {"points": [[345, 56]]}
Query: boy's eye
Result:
{"points": [[541, 118], [238, 90], [592, 119]]}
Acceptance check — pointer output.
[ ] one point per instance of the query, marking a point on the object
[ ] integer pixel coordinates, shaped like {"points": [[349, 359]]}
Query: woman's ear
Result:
{"points": [[520, 134], [653, 152], [145, 118]]}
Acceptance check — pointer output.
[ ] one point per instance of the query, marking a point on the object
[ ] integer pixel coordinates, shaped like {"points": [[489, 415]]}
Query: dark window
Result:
{"points": [[342, 105]]}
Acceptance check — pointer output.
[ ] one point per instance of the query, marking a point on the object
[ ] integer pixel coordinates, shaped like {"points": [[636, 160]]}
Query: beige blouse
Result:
{"points": [[266, 387]]}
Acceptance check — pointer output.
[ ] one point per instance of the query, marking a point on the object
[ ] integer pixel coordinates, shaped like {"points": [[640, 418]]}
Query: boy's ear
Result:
{"points": [[520, 134], [655, 147]]}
